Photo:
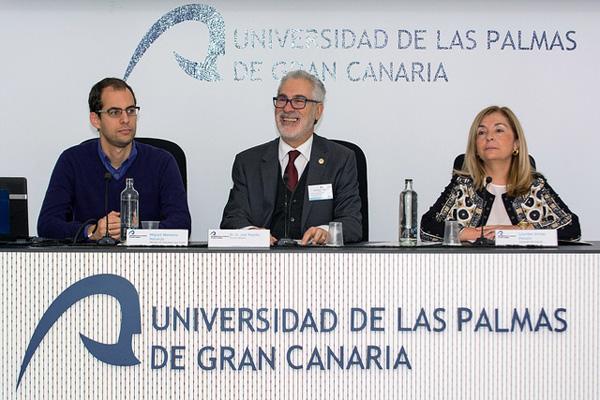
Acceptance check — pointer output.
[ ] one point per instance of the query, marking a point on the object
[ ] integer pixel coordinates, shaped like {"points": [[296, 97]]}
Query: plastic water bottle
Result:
{"points": [[130, 208], [408, 215]]}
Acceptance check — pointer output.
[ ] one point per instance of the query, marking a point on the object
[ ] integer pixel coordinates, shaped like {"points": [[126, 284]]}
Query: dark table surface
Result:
{"points": [[370, 247]]}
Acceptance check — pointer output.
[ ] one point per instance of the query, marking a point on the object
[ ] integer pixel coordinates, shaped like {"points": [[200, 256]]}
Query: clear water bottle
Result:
{"points": [[408, 215], [130, 208]]}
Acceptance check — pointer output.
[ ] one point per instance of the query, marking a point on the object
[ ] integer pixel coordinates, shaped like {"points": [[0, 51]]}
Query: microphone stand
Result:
{"points": [[287, 241], [482, 241], [106, 240]]}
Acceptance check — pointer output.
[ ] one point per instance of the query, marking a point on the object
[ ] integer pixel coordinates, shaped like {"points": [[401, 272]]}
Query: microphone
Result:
{"points": [[106, 240], [286, 240], [483, 241]]}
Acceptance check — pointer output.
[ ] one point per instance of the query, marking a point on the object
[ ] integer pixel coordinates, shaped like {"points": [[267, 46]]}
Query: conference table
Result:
{"points": [[373, 320]]}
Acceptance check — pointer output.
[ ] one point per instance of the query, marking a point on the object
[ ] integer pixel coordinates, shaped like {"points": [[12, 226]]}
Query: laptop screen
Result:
{"points": [[4, 213], [14, 221]]}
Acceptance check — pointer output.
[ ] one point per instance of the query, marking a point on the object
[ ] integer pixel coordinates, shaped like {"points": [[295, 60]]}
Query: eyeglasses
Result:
{"points": [[297, 103], [115, 112]]}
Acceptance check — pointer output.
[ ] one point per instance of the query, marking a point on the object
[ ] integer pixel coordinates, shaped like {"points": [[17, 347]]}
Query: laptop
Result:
{"points": [[14, 221]]}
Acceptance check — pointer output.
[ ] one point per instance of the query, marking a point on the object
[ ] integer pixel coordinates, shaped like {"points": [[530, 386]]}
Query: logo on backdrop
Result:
{"points": [[120, 353], [204, 71], [372, 54]]}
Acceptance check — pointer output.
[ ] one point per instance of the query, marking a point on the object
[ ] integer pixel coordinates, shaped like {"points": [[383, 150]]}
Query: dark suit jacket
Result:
{"points": [[255, 178]]}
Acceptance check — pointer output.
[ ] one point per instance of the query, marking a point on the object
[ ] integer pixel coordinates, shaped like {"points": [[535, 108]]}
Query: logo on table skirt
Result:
{"points": [[120, 353]]}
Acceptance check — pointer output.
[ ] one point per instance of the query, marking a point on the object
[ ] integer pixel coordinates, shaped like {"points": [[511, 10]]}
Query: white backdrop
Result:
{"points": [[52, 52]]}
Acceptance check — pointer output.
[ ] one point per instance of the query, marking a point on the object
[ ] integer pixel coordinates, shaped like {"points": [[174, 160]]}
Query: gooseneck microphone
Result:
{"points": [[286, 240], [106, 240], [483, 241]]}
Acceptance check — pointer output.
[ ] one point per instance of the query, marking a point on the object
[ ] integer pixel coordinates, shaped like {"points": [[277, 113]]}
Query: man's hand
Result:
{"points": [[114, 227], [314, 235]]}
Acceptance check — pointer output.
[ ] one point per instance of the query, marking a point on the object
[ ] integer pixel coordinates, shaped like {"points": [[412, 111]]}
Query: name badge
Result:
{"points": [[320, 192]]}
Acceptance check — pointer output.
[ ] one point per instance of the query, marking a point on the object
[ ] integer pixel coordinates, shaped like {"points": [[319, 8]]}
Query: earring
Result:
{"points": [[515, 152]]}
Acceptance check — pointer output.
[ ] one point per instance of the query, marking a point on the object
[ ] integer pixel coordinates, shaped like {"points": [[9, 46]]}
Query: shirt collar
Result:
{"points": [[304, 149], [117, 173]]}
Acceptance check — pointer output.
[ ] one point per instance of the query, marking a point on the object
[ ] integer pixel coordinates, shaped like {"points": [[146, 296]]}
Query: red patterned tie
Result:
{"points": [[291, 171]]}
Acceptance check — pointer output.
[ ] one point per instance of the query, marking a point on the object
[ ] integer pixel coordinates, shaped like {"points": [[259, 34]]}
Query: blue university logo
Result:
{"points": [[205, 70], [120, 353]]}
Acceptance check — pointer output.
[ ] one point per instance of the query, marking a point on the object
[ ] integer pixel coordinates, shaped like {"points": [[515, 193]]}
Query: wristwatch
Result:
{"points": [[525, 225], [90, 234]]}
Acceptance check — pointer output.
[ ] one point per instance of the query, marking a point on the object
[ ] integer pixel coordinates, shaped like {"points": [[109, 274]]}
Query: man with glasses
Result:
{"points": [[298, 183], [85, 173]]}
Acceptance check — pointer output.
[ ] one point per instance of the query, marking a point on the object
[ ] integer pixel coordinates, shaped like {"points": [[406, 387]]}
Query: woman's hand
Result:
{"points": [[489, 232], [471, 234], [492, 228]]}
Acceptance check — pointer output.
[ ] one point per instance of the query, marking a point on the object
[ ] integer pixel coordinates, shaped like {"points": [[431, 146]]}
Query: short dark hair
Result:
{"points": [[95, 98]]}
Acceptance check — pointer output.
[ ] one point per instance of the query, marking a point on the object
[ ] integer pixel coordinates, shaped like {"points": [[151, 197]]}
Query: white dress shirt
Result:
{"points": [[301, 161]]}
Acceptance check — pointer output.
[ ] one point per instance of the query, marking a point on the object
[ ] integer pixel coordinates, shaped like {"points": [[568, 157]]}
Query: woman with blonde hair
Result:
{"points": [[497, 186]]}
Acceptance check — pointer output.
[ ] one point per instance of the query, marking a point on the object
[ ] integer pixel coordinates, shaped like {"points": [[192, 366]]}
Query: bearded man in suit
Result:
{"points": [[298, 183]]}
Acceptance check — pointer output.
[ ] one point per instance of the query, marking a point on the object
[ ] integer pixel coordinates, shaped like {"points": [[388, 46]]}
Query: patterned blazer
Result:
{"points": [[460, 201]]}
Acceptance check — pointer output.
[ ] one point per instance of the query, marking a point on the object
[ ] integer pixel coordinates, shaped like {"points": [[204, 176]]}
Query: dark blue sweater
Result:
{"points": [[76, 190]]}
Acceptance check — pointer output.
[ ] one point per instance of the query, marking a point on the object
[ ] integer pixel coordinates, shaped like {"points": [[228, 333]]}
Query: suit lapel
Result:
{"points": [[316, 172], [269, 167]]}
